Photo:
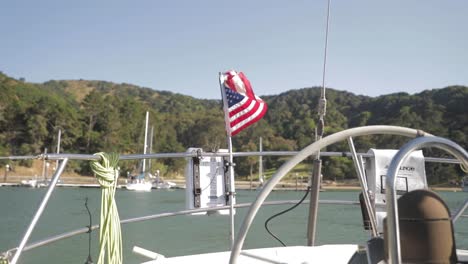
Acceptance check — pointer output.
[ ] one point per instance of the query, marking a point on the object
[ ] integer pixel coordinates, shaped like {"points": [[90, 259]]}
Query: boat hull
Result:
{"points": [[139, 186]]}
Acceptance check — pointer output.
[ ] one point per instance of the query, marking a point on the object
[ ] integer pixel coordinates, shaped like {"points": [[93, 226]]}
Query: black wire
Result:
{"points": [[212, 179], [89, 260], [283, 212]]}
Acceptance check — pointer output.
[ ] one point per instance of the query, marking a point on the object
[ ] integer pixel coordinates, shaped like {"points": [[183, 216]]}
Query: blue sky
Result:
{"points": [[375, 47]]}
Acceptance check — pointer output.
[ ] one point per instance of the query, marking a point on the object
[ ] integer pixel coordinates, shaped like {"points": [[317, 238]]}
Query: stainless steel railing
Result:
{"points": [[394, 246]]}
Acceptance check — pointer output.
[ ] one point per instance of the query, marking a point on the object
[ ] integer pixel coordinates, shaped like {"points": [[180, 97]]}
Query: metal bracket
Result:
{"points": [[199, 153], [196, 182], [228, 164]]}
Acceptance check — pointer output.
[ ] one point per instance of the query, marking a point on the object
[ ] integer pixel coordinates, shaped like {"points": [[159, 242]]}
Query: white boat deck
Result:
{"points": [[296, 254]]}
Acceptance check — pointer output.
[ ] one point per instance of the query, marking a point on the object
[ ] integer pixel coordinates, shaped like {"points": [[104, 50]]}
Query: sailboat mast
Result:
{"points": [[44, 166], [150, 148], [145, 147], [58, 145]]}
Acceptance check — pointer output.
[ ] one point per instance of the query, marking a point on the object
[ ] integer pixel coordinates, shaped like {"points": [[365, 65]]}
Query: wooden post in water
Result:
{"points": [[7, 168]]}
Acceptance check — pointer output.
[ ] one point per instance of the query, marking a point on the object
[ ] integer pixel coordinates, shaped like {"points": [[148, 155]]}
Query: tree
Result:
{"points": [[92, 107]]}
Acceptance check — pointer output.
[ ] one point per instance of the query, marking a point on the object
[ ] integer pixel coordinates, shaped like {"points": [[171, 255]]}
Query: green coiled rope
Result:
{"points": [[110, 233]]}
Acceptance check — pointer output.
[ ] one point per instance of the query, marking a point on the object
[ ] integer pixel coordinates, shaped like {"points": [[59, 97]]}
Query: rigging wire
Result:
{"points": [[315, 178], [321, 110], [283, 212], [322, 103]]}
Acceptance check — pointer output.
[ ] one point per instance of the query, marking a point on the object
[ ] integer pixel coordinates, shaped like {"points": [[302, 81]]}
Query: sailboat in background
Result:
{"points": [[30, 183], [156, 180], [140, 182], [44, 182]]}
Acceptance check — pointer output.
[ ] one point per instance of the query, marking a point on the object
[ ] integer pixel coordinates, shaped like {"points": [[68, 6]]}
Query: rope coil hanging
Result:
{"points": [[110, 233]]}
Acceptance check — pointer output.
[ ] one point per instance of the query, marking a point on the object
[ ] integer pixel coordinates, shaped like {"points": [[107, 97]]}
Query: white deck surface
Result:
{"points": [[299, 254]]}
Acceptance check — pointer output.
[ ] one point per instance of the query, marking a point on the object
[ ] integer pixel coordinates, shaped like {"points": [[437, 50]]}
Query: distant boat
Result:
{"points": [[36, 183], [159, 183], [140, 182], [44, 182], [39, 183], [33, 183]]}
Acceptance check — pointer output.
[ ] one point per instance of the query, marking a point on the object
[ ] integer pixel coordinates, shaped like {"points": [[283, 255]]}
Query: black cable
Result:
{"points": [[283, 212], [89, 260], [215, 174]]}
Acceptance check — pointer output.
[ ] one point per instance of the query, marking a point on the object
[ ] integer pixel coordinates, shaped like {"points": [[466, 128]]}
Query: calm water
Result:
{"points": [[176, 235]]}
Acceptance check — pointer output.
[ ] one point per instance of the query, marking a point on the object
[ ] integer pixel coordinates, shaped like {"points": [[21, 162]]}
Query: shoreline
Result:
{"points": [[91, 182]]}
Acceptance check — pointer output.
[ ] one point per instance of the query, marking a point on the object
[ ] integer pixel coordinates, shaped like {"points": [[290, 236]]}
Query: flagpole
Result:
{"points": [[229, 192]]}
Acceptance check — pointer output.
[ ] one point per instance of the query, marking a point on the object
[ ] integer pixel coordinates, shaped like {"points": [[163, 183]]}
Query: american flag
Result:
{"points": [[244, 107]]}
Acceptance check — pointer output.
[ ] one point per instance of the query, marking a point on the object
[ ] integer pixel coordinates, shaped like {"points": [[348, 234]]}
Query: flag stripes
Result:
{"points": [[244, 107]]}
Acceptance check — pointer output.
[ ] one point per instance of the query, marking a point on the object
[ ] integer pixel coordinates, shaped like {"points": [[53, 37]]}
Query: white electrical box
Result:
{"points": [[207, 183], [411, 176]]}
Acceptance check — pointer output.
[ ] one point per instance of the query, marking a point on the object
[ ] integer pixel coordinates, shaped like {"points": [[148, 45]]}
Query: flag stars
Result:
{"points": [[233, 97]]}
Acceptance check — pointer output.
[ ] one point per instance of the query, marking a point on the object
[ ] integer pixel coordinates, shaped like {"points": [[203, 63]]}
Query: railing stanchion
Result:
{"points": [[39, 211]]}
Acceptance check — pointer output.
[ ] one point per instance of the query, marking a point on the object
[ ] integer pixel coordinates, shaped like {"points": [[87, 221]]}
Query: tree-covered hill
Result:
{"points": [[103, 116]]}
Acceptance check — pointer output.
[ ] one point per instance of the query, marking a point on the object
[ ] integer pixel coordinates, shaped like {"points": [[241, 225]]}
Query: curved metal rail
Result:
{"points": [[392, 205], [460, 211], [306, 152]]}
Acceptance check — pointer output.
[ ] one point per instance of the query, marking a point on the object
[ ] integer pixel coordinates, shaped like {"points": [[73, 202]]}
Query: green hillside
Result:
{"points": [[103, 116]]}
